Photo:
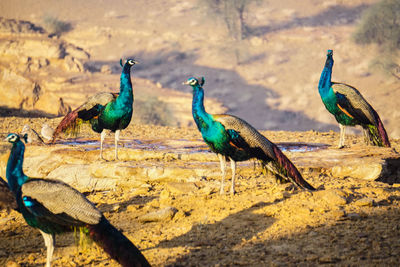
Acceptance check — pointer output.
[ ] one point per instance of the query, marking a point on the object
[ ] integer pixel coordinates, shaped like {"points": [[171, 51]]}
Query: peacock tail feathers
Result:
{"points": [[118, 246], [264, 150], [82, 238], [283, 166], [376, 136], [379, 132], [70, 124]]}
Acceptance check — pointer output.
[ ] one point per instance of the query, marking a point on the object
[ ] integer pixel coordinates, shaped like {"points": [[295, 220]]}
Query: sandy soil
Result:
{"points": [[346, 222], [280, 66]]}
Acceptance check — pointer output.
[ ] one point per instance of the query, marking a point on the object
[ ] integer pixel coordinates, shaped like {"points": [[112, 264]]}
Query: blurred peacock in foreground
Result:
{"points": [[350, 108], [7, 198], [104, 111], [54, 207], [233, 138]]}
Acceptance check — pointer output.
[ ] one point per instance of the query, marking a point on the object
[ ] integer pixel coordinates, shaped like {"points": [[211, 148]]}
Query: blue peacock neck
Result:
{"points": [[326, 76], [201, 117], [14, 173], [125, 94]]}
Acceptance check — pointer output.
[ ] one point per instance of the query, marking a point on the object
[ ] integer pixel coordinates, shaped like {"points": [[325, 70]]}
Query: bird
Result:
{"points": [[233, 138], [32, 137], [104, 111], [47, 132], [54, 207], [350, 108], [7, 199]]}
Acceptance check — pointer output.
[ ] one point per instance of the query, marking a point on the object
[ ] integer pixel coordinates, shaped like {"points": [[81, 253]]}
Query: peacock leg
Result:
{"points": [[116, 143], [233, 168], [102, 137], [49, 241], [222, 162], [342, 135]]}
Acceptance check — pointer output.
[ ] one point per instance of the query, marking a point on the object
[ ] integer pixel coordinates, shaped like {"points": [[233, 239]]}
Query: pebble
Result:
{"points": [[12, 264], [353, 216], [159, 215], [334, 197], [365, 202]]}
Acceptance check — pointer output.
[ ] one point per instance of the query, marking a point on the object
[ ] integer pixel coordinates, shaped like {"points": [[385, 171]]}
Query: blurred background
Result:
{"points": [[261, 59]]}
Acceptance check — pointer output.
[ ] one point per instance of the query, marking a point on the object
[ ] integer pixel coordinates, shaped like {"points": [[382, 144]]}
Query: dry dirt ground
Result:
{"points": [[280, 64], [346, 222]]}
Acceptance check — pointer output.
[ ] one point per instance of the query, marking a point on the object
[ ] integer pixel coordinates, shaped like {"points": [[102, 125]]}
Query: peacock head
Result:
{"points": [[129, 61], [12, 138], [329, 59], [192, 81]]}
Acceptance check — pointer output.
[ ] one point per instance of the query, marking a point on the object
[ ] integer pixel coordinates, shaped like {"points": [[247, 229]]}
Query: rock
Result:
{"points": [[79, 177], [369, 171], [180, 215], [132, 208], [333, 196], [365, 202], [140, 191], [337, 214], [12, 26], [18, 91], [160, 215], [182, 188], [37, 63], [73, 64], [165, 195], [327, 259], [366, 162], [12, 264], [76, 52], [34, 48], [353, 216]]}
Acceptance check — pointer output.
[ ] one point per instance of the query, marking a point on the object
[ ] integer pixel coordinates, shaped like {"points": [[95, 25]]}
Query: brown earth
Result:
{"points": [[278, 72], [345, 222]]}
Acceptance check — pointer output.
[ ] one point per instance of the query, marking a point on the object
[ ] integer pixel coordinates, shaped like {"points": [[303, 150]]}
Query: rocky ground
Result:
{"points": [[181, 220], [163, 193], [279, 65]]}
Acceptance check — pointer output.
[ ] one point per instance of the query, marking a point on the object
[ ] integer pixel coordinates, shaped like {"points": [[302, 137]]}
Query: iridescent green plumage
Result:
{"points": [[54, 207], [350, 108], [232, 138], [104, 111]]}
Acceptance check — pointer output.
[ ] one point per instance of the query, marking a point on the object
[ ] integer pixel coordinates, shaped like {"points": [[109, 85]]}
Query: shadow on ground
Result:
{"points": [[353, 240], [332, 16], [15, 112]]}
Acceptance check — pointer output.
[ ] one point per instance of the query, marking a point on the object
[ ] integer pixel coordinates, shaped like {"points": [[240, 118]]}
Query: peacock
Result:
{"points": [[54, 207], [350, 108], [232, 138], [104, 111]]}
